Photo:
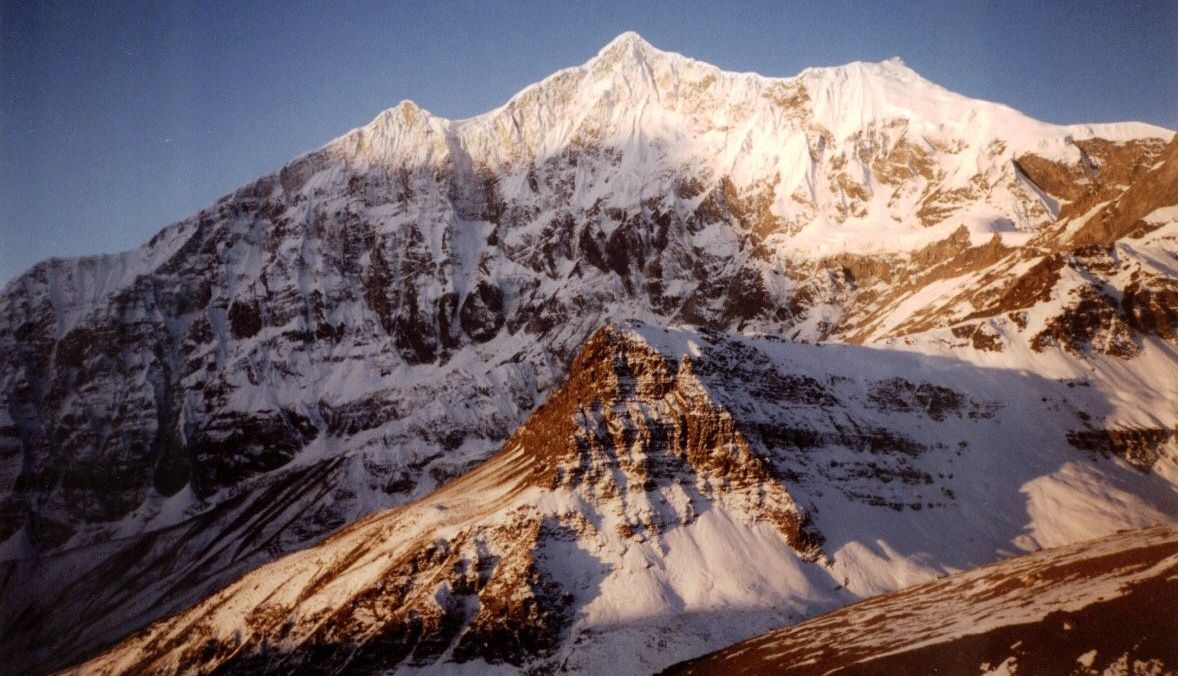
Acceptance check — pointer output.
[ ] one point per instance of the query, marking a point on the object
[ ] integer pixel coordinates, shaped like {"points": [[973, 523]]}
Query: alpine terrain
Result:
{"points": [[647, 361]]}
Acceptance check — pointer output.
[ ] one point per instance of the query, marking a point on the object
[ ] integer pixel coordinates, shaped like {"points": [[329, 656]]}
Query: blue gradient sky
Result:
{"points": [[117, 118]]}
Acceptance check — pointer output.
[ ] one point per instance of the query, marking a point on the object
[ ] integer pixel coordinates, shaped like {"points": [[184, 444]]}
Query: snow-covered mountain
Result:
{"points": [[681, 491], [379, 316], [1095, 608]]}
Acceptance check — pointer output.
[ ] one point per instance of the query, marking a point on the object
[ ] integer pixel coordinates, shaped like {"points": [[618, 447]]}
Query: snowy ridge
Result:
{"points": [[653, 89], [662, 112]]}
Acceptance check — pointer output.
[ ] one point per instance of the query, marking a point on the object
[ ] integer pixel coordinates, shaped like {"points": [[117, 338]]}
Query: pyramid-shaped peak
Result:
{"points": [[630, 54], [405, 114], [629, 47], [627, 40]]}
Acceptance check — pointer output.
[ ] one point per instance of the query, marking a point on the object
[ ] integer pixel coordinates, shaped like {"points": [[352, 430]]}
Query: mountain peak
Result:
{"points": [[626, 51], [628, 40]]}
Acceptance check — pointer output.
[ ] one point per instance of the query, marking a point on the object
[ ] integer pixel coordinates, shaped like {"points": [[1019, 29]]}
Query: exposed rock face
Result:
{"points": [[1105, 170], [1092, 283], [1091, 321], [1143, 448], [1152, 307], [1098, 607], [379, 315], [666, 452], [1127, 213]]}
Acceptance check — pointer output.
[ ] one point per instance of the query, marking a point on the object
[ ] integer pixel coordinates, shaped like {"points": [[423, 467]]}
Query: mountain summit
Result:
{"points": [[865, 157], [378, 317]]}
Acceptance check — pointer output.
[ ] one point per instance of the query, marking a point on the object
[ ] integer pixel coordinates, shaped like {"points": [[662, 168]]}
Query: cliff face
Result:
{"points": [[693, 486], [351, 332]]}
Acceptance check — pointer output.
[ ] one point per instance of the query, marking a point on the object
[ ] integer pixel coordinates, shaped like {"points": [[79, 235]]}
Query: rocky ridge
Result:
{"points": [[615, 516]]}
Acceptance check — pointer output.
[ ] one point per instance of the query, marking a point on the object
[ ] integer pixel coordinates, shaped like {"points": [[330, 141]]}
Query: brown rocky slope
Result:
{"points": [[1104, 606]]}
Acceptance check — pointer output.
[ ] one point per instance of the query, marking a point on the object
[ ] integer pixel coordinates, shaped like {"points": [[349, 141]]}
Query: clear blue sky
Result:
{"points": [[118, 118]]}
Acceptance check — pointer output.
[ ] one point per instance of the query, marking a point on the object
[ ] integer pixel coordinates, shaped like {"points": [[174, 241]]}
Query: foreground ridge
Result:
{"points": [[1095, 607]]}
